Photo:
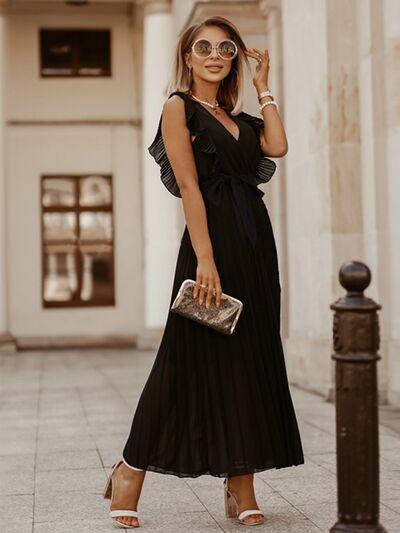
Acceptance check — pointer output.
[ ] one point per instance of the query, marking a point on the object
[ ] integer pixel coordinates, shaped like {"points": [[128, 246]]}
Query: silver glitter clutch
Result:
{"points": [[222, 319]]}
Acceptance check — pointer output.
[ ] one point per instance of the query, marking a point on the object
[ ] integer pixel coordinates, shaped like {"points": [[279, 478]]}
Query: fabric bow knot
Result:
{"points": [[243, 187]]}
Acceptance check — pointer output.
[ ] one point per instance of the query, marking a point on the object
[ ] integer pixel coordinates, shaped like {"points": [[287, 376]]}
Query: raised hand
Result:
{"points": [[260, 77]]}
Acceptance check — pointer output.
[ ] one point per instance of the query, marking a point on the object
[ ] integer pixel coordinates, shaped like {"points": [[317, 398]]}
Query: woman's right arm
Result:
{"points": [[178, 146]]}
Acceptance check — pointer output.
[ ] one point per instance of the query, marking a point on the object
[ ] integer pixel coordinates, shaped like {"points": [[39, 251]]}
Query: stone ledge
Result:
{"points": [[75, 341]]}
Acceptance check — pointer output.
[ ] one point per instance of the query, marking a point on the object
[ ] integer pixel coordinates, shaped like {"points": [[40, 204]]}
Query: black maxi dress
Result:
{"points": [[216, 404]]}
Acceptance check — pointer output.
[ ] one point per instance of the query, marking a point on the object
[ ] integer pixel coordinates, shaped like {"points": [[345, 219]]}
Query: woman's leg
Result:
{"points": [[128, 486], [243, 489]]}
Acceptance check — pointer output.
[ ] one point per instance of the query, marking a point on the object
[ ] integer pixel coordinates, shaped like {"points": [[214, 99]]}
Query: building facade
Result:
{"points": [[88, 234]]}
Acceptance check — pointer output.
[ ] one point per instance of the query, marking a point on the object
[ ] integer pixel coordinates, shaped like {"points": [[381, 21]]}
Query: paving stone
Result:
{"points": [[389, 416], [18, 441], [307, 469], [54, 507], [324, 460], [72, 411], [390, 484], [389, 442], [106, 419], [10, 463], [71, 443], [393, 505], [64, 430], [316, 440], [17, 474], [389, 518], [111, 440], [70, 526], [213, 500], [66, 460], [21, 419], [16, 526], [179, 497], [171, 522], [313, 489], [392, 456], [325, 516], [90, 480], [16, 506], [278, 520]]}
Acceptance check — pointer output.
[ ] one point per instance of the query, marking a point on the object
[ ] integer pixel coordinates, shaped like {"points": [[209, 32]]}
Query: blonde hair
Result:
{"points": [[230, 92]]}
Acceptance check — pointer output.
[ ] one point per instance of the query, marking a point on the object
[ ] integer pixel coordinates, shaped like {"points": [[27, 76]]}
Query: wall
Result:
{"points": [[63, 98], [77, 126], [342, 175]]}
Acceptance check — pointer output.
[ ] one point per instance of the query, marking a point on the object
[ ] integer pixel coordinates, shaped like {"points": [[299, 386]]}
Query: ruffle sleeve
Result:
{"points": [[266, 167], [203, 142]]}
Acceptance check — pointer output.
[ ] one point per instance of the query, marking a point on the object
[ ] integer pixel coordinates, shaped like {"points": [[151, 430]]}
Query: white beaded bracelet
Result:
{"points": [[270, 102], [265, 93]]}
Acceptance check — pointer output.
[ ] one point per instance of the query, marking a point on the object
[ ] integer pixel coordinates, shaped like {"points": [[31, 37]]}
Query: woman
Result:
{"points": [[216, 404]]}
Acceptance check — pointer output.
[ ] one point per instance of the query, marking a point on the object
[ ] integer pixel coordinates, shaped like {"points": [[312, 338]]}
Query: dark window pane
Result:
{"points": [[75, 52], [57, 52], [97, 275], [94, 53]]}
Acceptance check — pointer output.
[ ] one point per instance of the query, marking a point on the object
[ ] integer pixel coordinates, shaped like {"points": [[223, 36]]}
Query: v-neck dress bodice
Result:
{"points": [[216, 404], [215, 149], [228, 169], [231, 155]]}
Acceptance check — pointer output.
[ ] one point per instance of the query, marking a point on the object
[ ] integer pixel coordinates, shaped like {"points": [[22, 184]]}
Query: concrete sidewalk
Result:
{"points": [[65, 417]]}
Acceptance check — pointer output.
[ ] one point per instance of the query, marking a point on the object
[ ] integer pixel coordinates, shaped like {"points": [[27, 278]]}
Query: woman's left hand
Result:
{"points": [[260, 78]]}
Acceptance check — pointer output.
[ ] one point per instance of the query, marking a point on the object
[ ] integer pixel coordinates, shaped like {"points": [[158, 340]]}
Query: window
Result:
{"points": [[77, 241], [75, 53]]}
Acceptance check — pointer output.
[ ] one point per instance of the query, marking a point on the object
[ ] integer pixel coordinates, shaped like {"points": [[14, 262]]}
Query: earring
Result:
{"points": [[189, 76]]}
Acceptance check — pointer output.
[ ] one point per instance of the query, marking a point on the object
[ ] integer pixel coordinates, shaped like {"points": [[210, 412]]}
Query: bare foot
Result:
{"points": [[127, 488], [243, 490]]}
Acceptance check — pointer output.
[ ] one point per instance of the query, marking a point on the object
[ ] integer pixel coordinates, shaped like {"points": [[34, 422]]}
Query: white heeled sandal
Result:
{"points": [[108, 493], [232, 508]]}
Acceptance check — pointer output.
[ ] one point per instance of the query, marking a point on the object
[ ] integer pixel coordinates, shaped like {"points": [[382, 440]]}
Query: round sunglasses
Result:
{"points": [[226, 49]]}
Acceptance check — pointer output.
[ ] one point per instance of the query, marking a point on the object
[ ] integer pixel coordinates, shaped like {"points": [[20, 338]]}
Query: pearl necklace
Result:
{"points": [[213, 106]]}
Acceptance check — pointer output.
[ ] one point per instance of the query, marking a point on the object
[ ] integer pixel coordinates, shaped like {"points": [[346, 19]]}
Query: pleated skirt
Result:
{"points": [[215, 404]]}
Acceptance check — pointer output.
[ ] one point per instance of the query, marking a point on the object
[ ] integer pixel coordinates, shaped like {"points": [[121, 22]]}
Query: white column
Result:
{"points": [[309, 229], [161, 226], [275, 197], [376, 246], [6, 339], [324, 189], [388, 226]]}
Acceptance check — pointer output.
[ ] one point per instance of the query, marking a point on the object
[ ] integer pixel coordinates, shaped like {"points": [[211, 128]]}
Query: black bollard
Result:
{"points": [[356, 344]]}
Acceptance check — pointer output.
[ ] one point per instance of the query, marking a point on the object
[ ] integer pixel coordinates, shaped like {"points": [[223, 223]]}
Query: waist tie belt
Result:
{"points": [[243, 187]]}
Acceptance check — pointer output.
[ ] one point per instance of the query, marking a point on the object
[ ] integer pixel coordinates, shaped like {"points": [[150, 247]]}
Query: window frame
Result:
{"points": [[75, 63], [77, 209]]}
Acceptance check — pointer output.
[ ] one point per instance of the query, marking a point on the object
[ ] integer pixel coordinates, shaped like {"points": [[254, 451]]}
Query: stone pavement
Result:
{"points": [[65, 416]]}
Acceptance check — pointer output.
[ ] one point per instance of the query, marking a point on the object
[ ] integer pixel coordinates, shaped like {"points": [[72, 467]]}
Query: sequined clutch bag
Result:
{"points": [[222, 319]]}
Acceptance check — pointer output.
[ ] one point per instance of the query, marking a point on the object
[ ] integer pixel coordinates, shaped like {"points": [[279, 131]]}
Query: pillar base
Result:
{"points": [[149, 339], [8, 343], [357, 528]]}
